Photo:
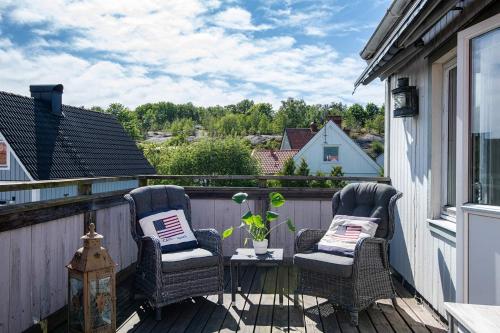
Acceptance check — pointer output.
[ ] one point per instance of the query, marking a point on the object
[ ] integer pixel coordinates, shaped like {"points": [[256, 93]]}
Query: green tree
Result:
{"points": [[337, 172], [213, 156], [302, 170], [356, 116], [292, 113], [182, 127], [287, 170], [371, 110], [319, 183]]}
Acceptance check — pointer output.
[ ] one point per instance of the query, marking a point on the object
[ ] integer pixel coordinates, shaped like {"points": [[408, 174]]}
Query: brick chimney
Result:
{"points": [[49, 95], [313, 127], [336, 119]]}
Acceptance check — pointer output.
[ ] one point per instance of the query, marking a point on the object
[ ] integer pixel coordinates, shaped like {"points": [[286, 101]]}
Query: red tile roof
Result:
{"points": [[299, 137], [271, 161]]}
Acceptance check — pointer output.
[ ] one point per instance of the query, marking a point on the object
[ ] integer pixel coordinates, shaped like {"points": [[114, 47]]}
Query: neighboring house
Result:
{"points": [[329, 147], [380, 160], [446, 158], [42, 139], [272, 161], [296, 138]]}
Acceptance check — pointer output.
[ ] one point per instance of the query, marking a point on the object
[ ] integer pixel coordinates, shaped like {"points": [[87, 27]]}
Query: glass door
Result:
{"points": [[485, 118]]}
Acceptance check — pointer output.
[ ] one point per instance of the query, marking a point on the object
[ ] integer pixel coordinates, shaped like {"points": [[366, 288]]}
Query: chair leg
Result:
{"points": [[220, 300], [158, 313], [296, 299], [354, 317]]}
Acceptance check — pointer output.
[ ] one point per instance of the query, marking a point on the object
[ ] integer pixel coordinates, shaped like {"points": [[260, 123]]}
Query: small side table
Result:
{"points": [[472, 318], [273, 257]]}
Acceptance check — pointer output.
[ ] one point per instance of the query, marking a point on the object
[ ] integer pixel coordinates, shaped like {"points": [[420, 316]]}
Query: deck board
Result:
{"points": [[257, 310]]}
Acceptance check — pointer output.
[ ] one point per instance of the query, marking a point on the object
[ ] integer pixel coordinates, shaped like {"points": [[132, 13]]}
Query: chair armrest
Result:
{"points": [[306, 238], [209, 239], [149, 256], [371, 250]]}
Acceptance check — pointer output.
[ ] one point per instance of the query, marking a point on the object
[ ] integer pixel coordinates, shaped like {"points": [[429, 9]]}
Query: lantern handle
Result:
{"points": [[92, 230]]}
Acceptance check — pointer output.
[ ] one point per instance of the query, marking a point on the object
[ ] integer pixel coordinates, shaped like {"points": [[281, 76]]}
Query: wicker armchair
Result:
{"points": [[352, 283], [166, 278]]}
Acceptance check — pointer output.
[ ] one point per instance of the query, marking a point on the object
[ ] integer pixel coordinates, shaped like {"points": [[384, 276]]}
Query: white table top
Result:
{"points": [[475, 317]]}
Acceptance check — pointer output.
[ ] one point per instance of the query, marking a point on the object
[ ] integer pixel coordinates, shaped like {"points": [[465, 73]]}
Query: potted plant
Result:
{"points": [[257, 227]]}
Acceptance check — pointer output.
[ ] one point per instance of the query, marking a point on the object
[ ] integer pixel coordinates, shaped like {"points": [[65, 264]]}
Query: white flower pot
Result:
{"points": [[260, 247]]}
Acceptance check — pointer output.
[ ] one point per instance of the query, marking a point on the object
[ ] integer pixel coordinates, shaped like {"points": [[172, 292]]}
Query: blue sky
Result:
{"points": [[205, 52]]}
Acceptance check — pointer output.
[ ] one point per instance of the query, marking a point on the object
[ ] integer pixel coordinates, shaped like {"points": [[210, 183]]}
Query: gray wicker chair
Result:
{"points": [[171, 277], [352, 283]]}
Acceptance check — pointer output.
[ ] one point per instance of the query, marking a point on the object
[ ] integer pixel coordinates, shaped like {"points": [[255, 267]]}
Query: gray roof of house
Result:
{"points": [[82, 143]]}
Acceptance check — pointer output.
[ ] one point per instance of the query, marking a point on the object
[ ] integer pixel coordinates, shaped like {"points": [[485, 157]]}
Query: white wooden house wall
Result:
{"points": [[422, 253], [353, 160]]}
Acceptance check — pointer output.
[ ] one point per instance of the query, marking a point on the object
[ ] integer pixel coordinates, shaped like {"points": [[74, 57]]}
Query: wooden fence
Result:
{"points": [[38, 239]]}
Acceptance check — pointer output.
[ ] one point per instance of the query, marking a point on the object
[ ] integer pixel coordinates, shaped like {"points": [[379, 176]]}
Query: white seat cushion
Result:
{"points": [[187, 259]]}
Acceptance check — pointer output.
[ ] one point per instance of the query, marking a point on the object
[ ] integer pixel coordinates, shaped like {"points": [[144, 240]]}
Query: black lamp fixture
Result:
{"points": [[405, 99]]}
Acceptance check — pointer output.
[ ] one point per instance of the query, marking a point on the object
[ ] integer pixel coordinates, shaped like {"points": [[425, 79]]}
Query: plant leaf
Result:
{"points": [[257, 221], [247, 218], [290, 225], [227, 233], [240, 197], [277, 199], [271, 216]]}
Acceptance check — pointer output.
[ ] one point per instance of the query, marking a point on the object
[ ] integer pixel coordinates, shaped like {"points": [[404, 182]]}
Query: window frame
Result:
{"points": [[338, 153], [447, 212], [5, 167]]}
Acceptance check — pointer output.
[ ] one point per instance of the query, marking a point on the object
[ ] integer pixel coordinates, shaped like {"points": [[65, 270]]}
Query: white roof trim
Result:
{"points": [[398, 30]]}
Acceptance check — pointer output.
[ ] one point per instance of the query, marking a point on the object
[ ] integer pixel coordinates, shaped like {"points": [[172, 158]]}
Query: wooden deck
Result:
{"points": [[257, 310]]}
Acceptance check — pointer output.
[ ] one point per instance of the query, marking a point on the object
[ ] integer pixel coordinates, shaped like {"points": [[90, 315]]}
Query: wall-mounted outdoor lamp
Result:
{"points": [[405, 99]]}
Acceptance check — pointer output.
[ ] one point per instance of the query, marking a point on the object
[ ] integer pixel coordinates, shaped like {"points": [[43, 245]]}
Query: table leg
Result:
{"points": [[280, 285], [238, 277], [234, 277]]}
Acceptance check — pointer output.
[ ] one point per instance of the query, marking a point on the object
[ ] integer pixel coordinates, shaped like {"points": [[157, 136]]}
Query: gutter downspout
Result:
{"points": [[387, 128]]}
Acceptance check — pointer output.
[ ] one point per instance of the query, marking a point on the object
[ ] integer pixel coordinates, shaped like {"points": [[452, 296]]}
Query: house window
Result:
{"points": [[330, 153], [4, 156], [449, 142], [485, 119]]}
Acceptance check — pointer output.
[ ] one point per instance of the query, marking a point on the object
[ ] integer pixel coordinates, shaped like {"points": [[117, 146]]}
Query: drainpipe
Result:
{"points": [[387, 128]]}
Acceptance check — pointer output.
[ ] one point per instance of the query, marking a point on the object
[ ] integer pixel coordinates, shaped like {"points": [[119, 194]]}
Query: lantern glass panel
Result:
{"points": [[101, 302], [401, 100], [76, 316]]}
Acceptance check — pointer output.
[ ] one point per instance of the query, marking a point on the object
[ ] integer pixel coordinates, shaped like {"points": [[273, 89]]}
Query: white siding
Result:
{"points": [[353, 160], [424, 258]]}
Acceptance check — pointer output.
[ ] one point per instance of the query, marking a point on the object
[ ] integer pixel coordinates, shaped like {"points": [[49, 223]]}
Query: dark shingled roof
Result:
{"points": [[299, 137], [83, 143]]}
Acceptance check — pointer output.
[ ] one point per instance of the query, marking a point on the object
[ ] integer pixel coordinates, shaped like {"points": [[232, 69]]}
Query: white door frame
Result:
{"points": [[463, 115]]}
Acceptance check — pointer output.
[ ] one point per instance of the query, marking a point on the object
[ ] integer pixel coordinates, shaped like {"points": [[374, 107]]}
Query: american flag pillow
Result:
{"points": [[345, 232], [171, 228]]}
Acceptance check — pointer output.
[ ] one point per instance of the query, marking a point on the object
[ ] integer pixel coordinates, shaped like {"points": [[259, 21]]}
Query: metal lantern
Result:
{"points": [[405, 99], [91, 287]]}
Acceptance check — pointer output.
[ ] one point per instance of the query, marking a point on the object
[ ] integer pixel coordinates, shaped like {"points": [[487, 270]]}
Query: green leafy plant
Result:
{"points": [[257, 227]]}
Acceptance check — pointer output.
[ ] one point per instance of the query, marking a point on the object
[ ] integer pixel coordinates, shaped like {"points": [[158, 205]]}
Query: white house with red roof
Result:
{"points": [[322, 150]]}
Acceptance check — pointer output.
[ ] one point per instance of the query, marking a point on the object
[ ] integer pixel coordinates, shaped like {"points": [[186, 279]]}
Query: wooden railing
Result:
{"points": [[38, 239]]}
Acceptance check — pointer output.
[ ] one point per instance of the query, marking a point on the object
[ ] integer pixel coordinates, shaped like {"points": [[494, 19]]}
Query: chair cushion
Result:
{"points": [[171, 228], [345, 232], [187, 259], [368, 200], [324, 263]]}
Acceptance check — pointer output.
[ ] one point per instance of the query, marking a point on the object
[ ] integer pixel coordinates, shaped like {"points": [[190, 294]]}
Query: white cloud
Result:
{"points": [[180, 50], [239, 19]]}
